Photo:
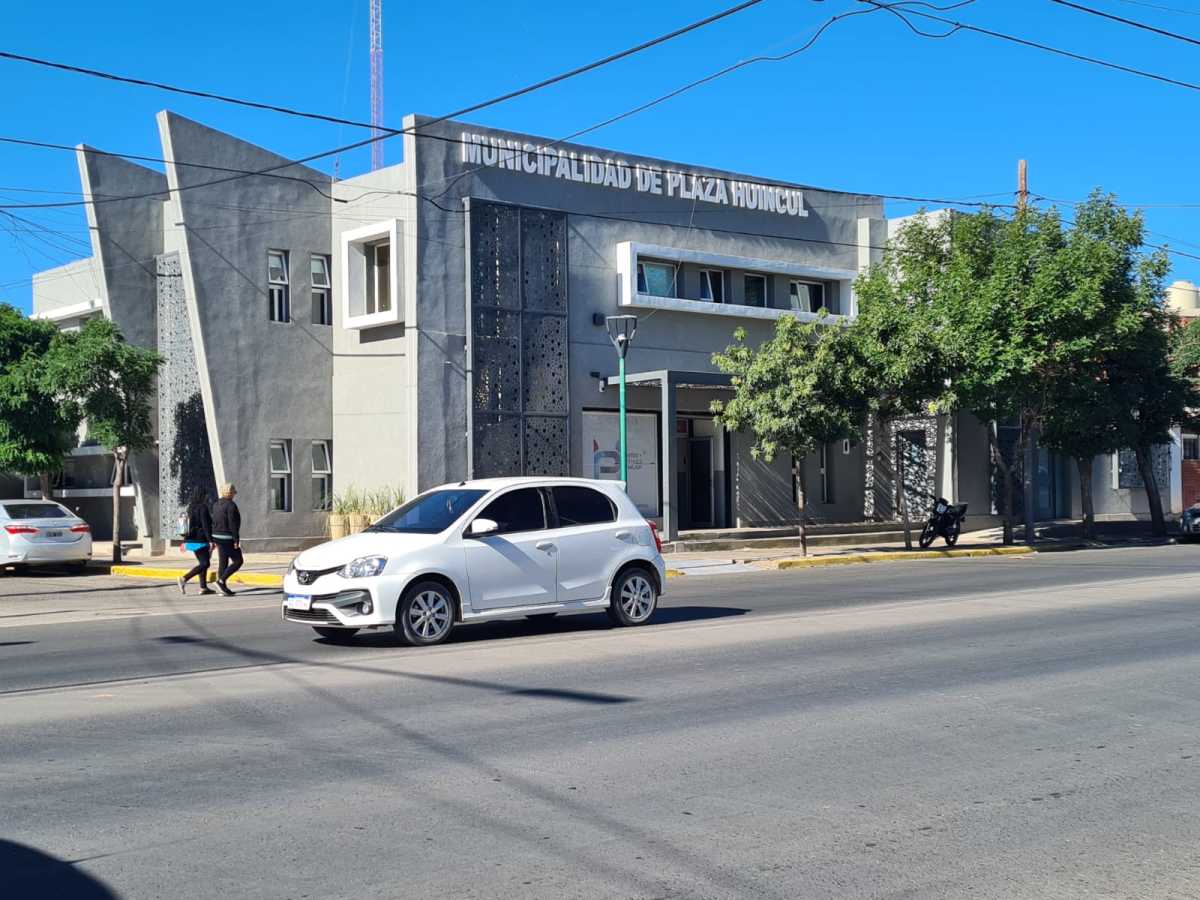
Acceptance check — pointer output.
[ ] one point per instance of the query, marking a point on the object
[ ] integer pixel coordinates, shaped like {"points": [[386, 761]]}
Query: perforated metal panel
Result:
{"points": [[184, 459], [519, 395], [916, 438]]}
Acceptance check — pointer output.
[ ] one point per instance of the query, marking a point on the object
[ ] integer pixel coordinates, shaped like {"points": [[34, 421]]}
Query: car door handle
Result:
{"points": [[546, 545]]}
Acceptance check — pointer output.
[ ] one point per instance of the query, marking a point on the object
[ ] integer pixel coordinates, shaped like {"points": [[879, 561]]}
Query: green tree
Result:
{"points": [[801, 388], [37, 424], [113, 382]]}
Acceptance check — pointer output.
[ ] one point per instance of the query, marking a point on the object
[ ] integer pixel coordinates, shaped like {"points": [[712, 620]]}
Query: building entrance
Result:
{"points": [[699, 472]]}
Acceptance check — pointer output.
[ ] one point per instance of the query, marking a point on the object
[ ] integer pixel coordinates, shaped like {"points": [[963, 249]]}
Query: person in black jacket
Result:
{"points": [[199, 540], [226, 532]]}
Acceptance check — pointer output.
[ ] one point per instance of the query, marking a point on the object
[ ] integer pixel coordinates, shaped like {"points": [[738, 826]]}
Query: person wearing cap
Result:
{"points": [[226, 534]]}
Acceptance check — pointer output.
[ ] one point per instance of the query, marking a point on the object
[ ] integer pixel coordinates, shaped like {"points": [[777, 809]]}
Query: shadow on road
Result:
{"points": [[32, 873]]}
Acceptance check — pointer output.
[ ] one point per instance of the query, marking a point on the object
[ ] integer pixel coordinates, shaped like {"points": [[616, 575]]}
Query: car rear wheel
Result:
{"points": [[336, 635], [425, 614], [634, 598]]}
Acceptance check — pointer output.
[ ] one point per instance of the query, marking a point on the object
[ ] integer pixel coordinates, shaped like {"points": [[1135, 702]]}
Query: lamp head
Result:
{"points": [[621, 330]]}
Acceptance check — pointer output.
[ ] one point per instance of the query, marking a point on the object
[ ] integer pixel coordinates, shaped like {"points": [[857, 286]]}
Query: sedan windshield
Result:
{"points": [[429, 513], [35, 511]]}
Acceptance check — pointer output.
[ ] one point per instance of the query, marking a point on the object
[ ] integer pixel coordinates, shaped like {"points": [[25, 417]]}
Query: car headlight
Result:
{"points": [[363, 567], [291, 566]]}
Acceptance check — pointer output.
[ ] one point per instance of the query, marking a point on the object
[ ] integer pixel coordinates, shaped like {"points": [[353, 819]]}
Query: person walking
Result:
{"points": [[226, 533], [198, 540]]}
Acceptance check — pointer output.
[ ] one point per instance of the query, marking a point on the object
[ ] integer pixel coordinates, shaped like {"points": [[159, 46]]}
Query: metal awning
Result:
{"points": [[674, 378]]}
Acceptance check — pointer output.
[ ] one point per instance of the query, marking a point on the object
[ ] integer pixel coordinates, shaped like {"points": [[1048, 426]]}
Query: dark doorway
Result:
{"points": [[700, 482]]}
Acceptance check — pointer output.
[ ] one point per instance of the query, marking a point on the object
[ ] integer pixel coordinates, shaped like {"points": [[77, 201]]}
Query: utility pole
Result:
{"points": [[376, 83], [1029, 429]]}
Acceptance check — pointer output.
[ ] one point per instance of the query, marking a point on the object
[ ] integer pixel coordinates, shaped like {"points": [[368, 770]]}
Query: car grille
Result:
{"points": [[309, 615], [308, 576]]}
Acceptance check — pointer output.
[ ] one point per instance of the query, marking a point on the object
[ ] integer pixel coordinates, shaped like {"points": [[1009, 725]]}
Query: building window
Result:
{"points": [[322, 476], [756, 290], [846, 447], [281, 476], [379, 278], [322, 291], [277, 278], [1191, 446], [806, 296], [712, 285], [656, 279]]}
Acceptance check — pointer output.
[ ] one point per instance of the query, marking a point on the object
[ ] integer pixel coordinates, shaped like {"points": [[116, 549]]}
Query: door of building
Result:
{"points": [[700, 482]]}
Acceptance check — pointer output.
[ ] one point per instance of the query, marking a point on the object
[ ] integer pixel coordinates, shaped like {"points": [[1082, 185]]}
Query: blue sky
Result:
{"points": [[871, 107]]}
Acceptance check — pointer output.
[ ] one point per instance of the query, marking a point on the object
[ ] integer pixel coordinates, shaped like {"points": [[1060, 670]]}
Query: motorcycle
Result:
{"points": [[945, 521]]}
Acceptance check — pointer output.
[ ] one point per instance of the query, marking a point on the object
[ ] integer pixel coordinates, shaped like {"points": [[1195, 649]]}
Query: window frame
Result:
{"points": [[793, 282], [542, 499], [643, 283], [556, 521], [354, 273], [284, 475], [706, 284], [1184, 441], [322, 476], [279, 301], [322, 294], [374, 281], [766, 300]]}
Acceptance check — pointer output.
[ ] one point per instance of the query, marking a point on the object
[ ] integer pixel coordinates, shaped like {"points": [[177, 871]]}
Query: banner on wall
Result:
{"points": [[602, 454]]}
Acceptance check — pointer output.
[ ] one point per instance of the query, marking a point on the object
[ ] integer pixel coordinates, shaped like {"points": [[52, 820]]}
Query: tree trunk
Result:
{"points": [[902, 496], [1084, 465], [118, 480], [802, 504], [1028, 478], [44, 478], [1158, 525], [1006, 477]]}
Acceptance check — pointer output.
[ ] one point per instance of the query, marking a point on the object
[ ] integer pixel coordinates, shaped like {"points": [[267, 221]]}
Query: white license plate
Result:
{"points": [[298, 601], [53, 534]]}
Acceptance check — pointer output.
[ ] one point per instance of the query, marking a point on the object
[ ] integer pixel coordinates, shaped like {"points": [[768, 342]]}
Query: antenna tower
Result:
{"points": [[376, 82]]}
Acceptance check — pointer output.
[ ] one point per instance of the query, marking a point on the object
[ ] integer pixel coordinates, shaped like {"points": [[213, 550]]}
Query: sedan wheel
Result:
{"points": [[425, 614], [634, 598]]}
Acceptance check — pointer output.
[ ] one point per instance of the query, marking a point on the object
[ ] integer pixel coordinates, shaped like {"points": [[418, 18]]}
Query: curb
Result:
{"points": [[902, 555], [253, 579]]}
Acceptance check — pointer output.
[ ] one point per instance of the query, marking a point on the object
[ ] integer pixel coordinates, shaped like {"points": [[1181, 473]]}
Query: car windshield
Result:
{"points": [[35, 511], [429, 513]]}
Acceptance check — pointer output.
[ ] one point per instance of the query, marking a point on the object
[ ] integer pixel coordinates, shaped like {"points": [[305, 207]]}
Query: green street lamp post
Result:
{"points": [[621, 330]]}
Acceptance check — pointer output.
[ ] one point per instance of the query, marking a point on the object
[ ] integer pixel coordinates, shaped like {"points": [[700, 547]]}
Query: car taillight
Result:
{"points": [[654, 532], [81, 528], [20, 529]]}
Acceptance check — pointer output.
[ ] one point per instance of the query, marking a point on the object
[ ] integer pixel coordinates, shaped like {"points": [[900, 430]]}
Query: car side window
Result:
{"points": [[520, 510], [582, 506]]}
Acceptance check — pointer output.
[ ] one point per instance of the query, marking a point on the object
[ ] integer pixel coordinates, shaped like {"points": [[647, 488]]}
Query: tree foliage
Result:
{"points": [[37, 423], [801, 389]]}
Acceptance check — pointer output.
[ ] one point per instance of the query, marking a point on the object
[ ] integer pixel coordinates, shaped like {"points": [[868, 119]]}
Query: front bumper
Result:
{"points": [[335, 602]]}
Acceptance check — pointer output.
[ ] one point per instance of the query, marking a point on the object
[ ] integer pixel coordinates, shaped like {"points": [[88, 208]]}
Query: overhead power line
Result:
{"points": [[963, 26], [1142, 25], [466, 110], [389, 132]]}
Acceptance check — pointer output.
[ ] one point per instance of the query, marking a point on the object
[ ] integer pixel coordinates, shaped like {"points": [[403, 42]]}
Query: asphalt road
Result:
{"points": [[978, 728]]}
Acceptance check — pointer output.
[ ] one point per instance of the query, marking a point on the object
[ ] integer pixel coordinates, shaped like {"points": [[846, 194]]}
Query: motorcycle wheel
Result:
{"points": [[928, 533], [952, 535]]}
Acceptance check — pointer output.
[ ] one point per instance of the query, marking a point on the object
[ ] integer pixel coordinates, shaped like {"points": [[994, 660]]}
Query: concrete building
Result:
{"points": [[444, 318]]}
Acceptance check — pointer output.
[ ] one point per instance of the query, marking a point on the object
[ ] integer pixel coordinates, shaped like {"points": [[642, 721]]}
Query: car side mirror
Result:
{"points": [[480, 527]]}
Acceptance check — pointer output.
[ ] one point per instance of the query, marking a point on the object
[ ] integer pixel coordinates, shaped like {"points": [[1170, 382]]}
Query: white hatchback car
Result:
{"points": [[42, 533], [487, 549]]}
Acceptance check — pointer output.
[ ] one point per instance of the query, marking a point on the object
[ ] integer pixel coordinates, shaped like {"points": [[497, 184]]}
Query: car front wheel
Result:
{"points": [[634, 598], [425, 614]]}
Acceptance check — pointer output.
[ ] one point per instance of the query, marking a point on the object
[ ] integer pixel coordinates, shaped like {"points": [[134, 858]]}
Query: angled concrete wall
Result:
{"points": [[126, 236], [260, 380]]}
